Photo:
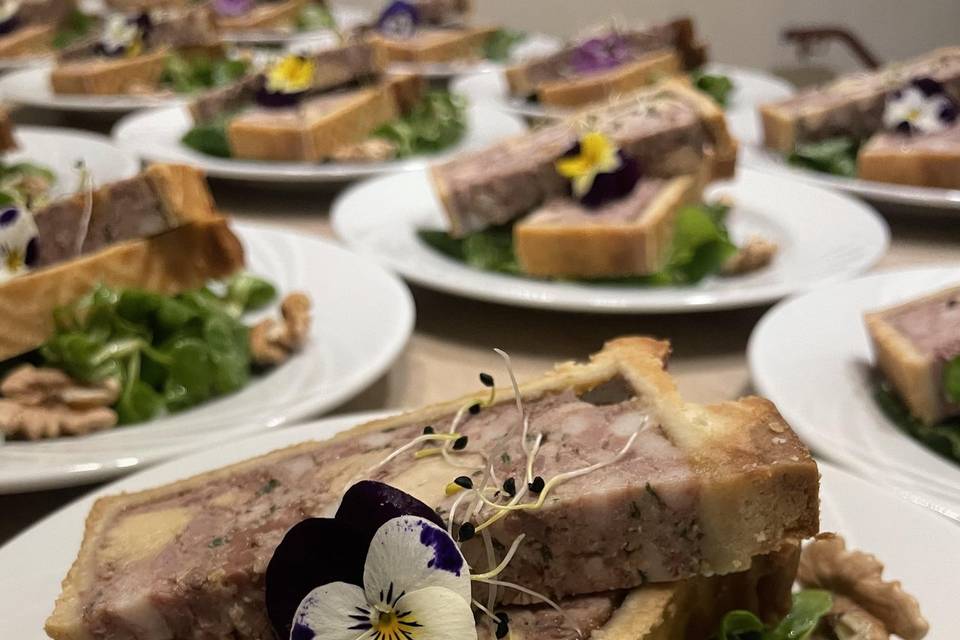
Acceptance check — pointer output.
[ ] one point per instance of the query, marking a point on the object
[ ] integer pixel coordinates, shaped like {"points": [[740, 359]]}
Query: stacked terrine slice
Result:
{"points": [[688, 508]]}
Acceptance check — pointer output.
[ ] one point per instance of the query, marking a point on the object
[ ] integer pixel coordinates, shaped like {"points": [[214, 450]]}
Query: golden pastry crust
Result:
{"points": [[270, 15], [28, 40], [440, 45], [110, 76], [923, 167]]}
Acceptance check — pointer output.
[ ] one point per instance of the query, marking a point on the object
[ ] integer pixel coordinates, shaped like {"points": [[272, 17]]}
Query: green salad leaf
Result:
{"points": [[315, 17], [943, 437], [169, 352], [437, 122], [951, 380], [189, 74], [500, 43], [701, 245], [833, 155], [717, 86], [25, 183], [209, 138], [76, 27], [809, 606]]}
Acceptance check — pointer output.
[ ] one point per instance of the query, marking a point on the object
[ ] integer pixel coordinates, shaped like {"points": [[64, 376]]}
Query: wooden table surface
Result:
{"points": [[453, 337]]}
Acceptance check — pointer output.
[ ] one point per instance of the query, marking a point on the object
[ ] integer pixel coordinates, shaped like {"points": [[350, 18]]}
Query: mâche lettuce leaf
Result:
{"points": [[315, 17], [809, 606], [837, 156], [210, 137], [951, 380], [437, 122], [701, 245], [717, 86], [500, 43], [189, 74], [168, 352], [75, 27], [943, 437]]}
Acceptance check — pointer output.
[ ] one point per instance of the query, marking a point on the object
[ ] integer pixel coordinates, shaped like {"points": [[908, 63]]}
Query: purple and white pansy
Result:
{"points": [[383, 568], [232, 8], [18, 241], [124, 35], [399, 20], [600, 54], [9, 15], [921, 106]]}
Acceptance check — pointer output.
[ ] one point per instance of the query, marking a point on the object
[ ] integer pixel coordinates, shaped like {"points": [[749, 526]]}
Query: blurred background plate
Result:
{"points": [[61, 149], [362, 319], [751, 88], [811, 356], [792, 215], [155, 135]]}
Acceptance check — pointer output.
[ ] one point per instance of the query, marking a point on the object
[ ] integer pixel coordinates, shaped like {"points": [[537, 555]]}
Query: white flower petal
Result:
{"points": [[410, 553], [336, 611], [440, 613]]}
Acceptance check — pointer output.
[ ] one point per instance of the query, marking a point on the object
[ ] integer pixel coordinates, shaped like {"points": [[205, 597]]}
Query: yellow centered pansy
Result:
{"points": [[597, 155], [292, 74]]}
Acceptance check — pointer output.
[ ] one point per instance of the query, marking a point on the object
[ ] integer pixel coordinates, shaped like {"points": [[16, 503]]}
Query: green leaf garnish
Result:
{"points": [[437, 122], [716, 86], [315, 17], [209, 138], [189, 74], [943, 437], [168, 352], [808, 608], [701, 245], [837, 156], [951, 380], [500, 43], [76, 27]]}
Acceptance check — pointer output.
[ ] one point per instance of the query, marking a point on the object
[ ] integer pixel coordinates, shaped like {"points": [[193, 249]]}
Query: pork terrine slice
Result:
{"points": [[628, 237], [676, 490], [163, 197], [853, 104], [921, 160], [670, 130], [7, 142], [913, 342]]}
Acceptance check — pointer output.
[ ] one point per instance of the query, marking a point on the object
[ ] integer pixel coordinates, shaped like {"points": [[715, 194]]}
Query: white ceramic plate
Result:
{"points": [[61, 149], [792, 215], [769, 161], [24, 62], [31, 88], [811, 356], [869, 519], [155, 136], [362, 318], [752, 87], [535, 44], [346, 17]]}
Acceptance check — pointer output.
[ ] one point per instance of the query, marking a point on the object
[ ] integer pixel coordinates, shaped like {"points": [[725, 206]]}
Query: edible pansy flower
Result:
{"points": [[598, 171], [123, 35], [232, 8], [599, 54], [9, 15], [286, 81], [922, 106], [18, 241], [399, 20], [383, 567]]}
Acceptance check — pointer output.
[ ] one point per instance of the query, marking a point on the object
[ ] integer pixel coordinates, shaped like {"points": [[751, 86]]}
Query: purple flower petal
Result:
{"points": [[278, 99], [948, 113], [446, 553], [232, 8], [313, 553], [10, 24], [904, 127], [599, 54], [30, 258], [9, 216], [319, 551], [928, 86], [608, 187], [399, 20]]}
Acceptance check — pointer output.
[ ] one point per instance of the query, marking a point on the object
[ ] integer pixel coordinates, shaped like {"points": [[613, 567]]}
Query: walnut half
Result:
{"points": [[755, 254], [47, 403], [273, 341], [866, 607]]}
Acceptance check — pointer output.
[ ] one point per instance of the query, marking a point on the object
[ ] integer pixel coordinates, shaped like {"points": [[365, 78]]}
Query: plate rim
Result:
{"points": [[698, 301], [814, 438], [295, 173], [131, 163], [759, 158], [403, 325]]}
